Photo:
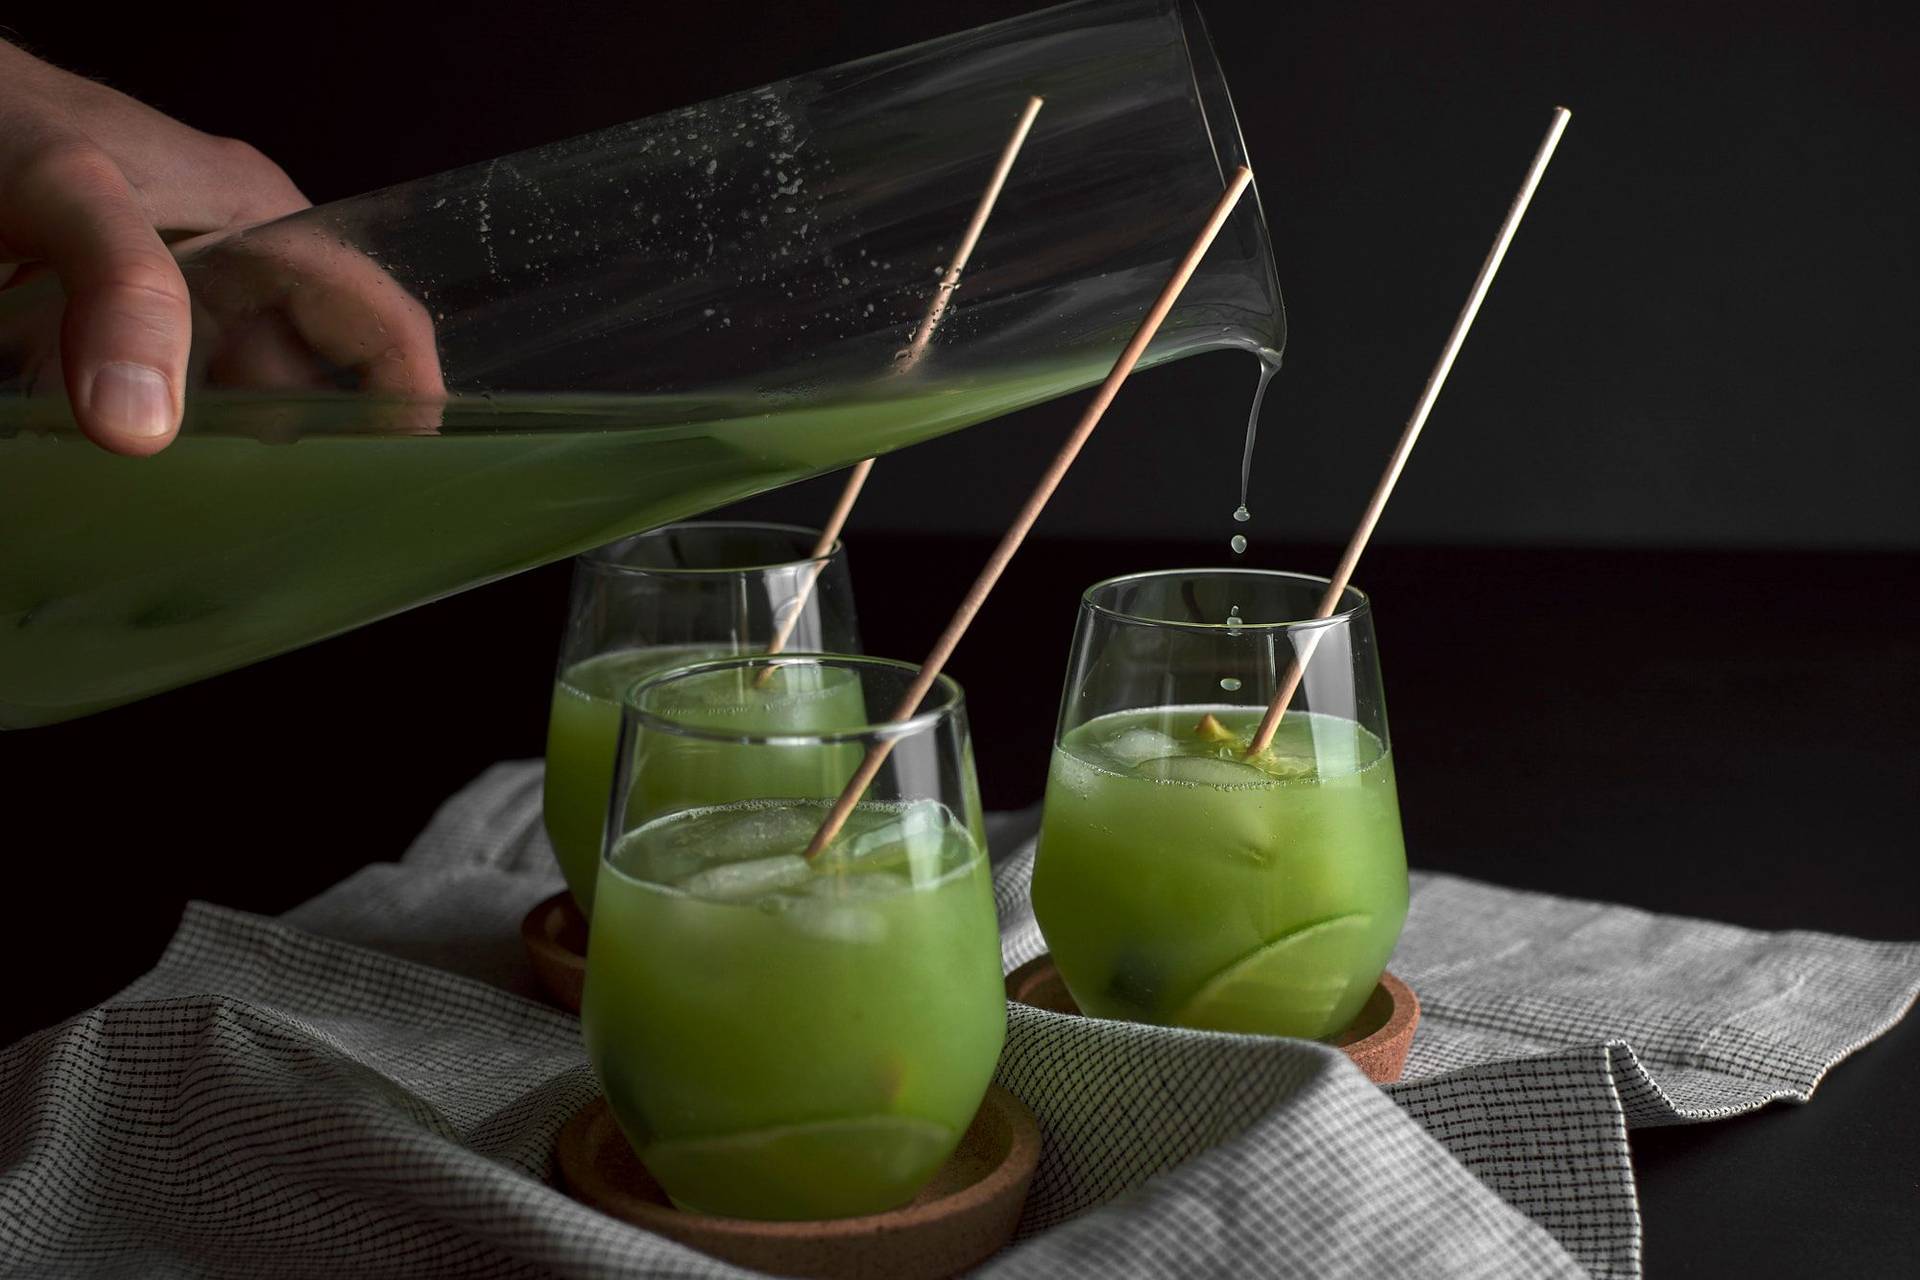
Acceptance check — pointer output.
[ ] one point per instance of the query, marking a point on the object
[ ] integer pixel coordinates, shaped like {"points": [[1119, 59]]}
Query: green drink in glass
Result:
{"points": [[583, 733], [663, 599], [782, 1038], [1180, 881], [760, 740]]}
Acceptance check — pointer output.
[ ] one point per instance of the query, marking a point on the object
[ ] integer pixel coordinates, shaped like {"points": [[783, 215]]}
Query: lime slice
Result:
{"points": [[1286, 768], [1307, 983], [1211, 730], [827, 1169]]}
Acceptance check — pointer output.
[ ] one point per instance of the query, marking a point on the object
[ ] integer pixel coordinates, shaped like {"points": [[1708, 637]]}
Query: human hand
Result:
{"points": [[93, 188]]}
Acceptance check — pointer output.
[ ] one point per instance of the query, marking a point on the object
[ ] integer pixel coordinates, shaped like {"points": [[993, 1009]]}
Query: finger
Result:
{"points": [[293, 306], [344, 311], [358, 316], [264, 354], [126, 331]]}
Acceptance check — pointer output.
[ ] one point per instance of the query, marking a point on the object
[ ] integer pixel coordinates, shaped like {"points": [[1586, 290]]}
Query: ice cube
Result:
{"points": [[888, 828], [739, 881], [764, 829], [836, 885], [667, 849], [1136, 746], [1205, 771], [841, 920], [909, 840], [647, 860]]}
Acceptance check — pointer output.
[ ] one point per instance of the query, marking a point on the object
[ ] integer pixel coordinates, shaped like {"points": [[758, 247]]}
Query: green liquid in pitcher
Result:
{"points": [[275, 521], [1177, 883], [787, 1040], [583, 736]]}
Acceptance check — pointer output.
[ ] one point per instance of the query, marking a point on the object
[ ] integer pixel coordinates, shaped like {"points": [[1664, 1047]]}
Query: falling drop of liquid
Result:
{"points": [[1269, 365], [1230, 683]]}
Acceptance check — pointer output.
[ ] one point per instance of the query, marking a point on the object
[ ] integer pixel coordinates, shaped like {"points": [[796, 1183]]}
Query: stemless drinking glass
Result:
{"points": [[783, 1038], [1181, 882], [663, 599]]}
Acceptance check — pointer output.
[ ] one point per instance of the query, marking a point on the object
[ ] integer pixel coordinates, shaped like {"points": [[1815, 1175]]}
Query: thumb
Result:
{"points": [[125, 336]]}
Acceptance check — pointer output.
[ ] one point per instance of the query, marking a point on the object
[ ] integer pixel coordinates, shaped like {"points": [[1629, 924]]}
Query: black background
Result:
{"points": [[1646, 595], [1705, 334]]}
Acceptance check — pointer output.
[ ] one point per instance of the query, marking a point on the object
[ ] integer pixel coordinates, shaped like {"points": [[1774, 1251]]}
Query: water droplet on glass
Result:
{"points": [[1230, 683], [1241, 513], [1239, 544]]}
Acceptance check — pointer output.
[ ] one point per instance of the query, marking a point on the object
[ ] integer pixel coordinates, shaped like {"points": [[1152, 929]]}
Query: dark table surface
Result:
{"points": [[1727, 735]]}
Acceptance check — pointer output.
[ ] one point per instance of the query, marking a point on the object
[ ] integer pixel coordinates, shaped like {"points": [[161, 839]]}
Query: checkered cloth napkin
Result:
{"points": [[359, 1089]]}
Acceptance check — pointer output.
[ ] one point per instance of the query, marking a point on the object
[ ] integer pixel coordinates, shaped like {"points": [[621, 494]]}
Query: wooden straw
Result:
{"points": [[829, 535], [1296, 669], [857, 478], [1049, 481], [951, 280]]}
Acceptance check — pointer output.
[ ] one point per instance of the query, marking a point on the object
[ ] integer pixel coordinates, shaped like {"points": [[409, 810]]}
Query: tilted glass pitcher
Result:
{"points": [[407, 393]]}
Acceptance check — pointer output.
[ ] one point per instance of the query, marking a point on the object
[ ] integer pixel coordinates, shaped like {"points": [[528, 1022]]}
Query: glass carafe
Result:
{"points": [[411, 392]]}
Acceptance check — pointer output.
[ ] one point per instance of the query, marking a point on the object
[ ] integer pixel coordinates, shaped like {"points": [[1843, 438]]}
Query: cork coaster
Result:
{"points": [[958, 1220], [1377, 1041], [555, 934]]}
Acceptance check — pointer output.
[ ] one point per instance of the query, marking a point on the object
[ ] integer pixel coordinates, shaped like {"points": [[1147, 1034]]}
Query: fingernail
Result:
{"points": [[132, 400]]}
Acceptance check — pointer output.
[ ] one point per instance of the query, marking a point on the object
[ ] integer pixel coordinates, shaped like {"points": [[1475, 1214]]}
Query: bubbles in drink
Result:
{"points": [[1239, 544], [1241, 513], [1230, 683], [1233, 620]]}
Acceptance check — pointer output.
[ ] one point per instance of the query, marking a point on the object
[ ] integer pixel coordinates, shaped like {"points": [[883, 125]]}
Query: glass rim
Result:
{"points": [[943, 701], [1358, 603], [601, 560]]}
